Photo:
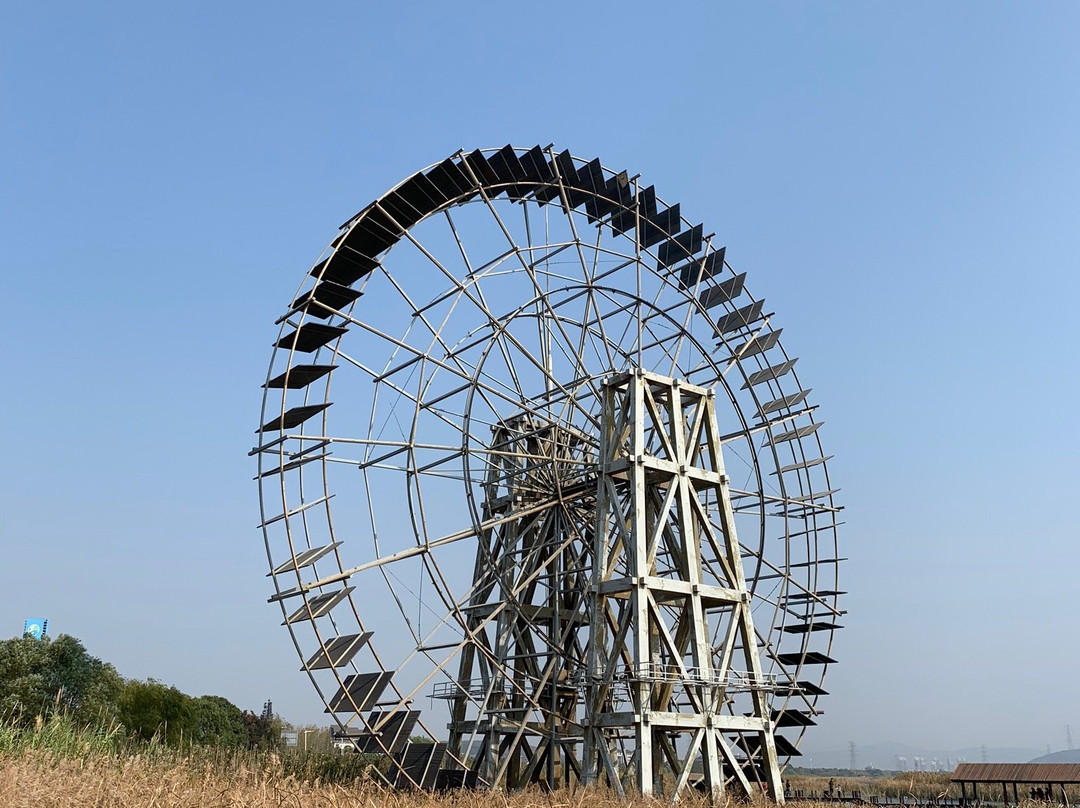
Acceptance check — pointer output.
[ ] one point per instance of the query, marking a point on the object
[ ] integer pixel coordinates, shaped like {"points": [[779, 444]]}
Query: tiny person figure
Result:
{"points": [[787, 790], [832, 786]]}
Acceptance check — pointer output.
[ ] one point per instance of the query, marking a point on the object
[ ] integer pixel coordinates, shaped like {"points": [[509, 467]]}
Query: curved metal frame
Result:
{"points": [[530, 330]]}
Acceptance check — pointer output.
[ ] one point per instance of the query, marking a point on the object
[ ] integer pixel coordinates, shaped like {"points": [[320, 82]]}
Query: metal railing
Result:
{"points": [[651, 672]]}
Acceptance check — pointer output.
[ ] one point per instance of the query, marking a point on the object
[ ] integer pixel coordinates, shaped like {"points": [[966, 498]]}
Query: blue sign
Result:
{"points": [[36, 627]]}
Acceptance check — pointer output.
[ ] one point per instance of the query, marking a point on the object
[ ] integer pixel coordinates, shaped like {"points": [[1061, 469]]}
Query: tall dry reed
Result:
{"points": [[40, 779]]}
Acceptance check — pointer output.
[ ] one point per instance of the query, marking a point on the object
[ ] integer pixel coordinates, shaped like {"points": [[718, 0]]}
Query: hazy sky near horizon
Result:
{"points": [[901, 181]]}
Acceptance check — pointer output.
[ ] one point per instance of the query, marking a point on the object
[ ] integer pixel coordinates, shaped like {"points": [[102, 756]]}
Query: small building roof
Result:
{"points": [[1034, 773]]}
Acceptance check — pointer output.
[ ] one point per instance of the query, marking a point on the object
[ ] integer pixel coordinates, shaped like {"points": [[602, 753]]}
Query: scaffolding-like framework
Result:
{"points": [[660, 483], [528, 611]]}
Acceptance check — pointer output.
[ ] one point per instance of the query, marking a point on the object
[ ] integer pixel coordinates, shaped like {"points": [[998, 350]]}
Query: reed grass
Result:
{"points": [[61, 737], [56, 762], [37, 778]]}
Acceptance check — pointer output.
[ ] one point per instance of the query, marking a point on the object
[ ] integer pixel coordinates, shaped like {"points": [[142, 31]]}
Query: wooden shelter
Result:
{"points": [[1043, 776]]}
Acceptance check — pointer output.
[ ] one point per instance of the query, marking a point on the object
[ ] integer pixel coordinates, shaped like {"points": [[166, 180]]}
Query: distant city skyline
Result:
{"points": [[893, 756]]}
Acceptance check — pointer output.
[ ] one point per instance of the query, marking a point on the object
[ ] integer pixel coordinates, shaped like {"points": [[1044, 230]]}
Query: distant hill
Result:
{"points": [[1064, 756]]}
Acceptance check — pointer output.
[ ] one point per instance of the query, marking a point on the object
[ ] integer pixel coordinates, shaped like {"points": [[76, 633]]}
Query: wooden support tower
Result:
{"points": [[514, 709], [656, 684]]}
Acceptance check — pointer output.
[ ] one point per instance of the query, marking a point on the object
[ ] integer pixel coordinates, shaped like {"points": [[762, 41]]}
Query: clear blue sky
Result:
{"points": [[901, 181]]}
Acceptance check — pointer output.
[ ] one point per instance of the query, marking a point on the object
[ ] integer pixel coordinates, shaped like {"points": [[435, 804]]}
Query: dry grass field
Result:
{"points": [[37, 779], [917, 785], [56, 764]]}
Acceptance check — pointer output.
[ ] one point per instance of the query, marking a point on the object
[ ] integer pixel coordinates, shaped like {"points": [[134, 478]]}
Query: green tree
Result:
{"points": [[216, 721], [149, 709], [262, 732], [39, 677]]}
